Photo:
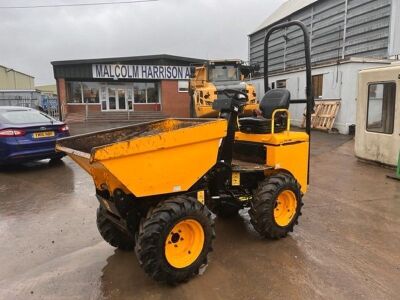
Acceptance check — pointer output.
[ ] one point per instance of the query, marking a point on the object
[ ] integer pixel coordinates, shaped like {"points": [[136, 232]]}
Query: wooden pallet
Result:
{"points": [[324, 115]]}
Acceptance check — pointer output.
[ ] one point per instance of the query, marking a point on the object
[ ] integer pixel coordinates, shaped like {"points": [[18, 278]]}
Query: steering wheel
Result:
{"points": [[235, 94]]}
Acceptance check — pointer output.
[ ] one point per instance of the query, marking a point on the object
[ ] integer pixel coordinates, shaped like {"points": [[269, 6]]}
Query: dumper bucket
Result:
{"points": [[146, 159]]}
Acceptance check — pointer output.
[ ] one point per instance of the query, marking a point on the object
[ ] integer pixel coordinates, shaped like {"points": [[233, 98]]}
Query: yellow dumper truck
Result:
{"points": [[157, 182]]}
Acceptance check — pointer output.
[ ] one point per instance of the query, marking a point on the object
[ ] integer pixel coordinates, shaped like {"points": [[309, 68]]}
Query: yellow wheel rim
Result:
{"points": [[285, 208], [184, 243]]}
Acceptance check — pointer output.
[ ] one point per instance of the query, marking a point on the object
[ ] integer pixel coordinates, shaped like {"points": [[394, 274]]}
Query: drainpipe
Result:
{"points": [[346, 4]]}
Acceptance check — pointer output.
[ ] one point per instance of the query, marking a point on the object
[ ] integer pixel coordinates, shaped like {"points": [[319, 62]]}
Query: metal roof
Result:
{"points": [[82, 69], [285, 10], [11, 69], [224, 60], [128, 59]]}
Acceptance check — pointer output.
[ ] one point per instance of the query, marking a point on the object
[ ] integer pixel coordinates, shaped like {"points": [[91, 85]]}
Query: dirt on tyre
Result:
{"points": [[276, 206], [174, 239], [112, 234]]}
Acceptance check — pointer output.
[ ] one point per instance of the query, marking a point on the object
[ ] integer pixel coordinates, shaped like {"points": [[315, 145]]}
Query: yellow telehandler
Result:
{"points": [[209, 80], [156, 182]]}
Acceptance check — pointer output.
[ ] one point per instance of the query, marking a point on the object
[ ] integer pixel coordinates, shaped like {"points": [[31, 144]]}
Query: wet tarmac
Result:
{"points": [[346, 246]]}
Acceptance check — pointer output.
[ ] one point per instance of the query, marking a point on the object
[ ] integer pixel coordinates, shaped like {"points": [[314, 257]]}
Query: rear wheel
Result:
{"points": [[112, 234], [174, 239], [276, 206]]}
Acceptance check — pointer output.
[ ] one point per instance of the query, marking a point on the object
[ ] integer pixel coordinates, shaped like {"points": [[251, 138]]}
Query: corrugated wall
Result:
{"points": [[338, 28], [14, 80]]}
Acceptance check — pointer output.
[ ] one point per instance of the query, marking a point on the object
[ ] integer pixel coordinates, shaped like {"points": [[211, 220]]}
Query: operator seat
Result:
{"points": [[272, 100]]}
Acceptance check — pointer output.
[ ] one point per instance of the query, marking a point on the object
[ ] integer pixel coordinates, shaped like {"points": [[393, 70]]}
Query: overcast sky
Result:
{"points": [[31, 38]]}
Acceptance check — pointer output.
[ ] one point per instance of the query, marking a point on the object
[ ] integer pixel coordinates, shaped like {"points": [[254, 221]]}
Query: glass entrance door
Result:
{"points": [[116, 99], [112, 99], [121, 99]]}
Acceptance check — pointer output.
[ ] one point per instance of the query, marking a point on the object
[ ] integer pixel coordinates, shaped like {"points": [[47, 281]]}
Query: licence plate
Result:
{"points": [[43, 134]]}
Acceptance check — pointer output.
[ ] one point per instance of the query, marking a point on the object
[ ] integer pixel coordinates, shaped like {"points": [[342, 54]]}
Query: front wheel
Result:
{"points": [[174, 239], [276, 206]]}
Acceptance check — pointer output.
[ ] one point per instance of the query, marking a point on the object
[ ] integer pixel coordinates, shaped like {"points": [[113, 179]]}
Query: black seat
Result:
{"points": [[272, 100]]}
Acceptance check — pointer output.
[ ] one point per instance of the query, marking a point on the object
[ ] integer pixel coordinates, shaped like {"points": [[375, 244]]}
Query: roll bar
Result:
{"points": [[309, 90]]}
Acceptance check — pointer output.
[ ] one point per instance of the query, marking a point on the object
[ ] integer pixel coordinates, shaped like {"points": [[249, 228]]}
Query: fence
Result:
{"points": [[32, 99]]}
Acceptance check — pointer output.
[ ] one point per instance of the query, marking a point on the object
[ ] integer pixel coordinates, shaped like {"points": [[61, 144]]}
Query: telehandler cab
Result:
{"points": [[209, 80], [157, 182]]}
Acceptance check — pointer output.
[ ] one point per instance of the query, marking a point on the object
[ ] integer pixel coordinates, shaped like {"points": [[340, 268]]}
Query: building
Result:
{"points": [[126, 84], [11, 79], [17, 88], [346, 36], [48, 89]]}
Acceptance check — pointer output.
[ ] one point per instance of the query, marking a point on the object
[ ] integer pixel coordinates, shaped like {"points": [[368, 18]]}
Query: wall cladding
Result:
{"points": [[338, 28]]}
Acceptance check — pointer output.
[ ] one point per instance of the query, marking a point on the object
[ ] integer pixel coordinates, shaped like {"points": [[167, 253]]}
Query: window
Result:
{"points": [[183, 86], [90, 92], [281, 84], [83, 92], [381, 105], [223, 73], [139, 89], [152, 92], [146, 92], [74, 92], [318, 81]]}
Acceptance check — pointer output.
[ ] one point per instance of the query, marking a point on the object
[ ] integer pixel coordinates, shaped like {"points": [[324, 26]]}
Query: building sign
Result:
{"points": [[140, 72]]}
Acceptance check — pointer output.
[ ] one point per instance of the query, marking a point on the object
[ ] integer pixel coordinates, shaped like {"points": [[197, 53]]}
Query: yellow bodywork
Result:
{"points": [[167, 162], [206, 111], [287, 150], [171, 155], [205, 93]]}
